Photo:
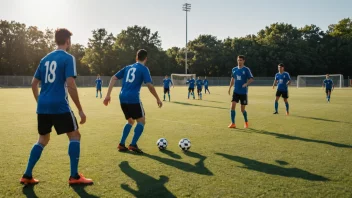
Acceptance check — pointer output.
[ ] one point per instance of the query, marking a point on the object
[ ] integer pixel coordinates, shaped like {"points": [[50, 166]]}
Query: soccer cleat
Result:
{"points": [[134, 148], [276, 112], [28, 180], [232, 125], [81, 180], [122, 147], [246, 125]]}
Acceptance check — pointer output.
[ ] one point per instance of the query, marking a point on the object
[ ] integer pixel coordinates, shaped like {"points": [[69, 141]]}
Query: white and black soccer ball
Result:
{"points": [[161, 143], [185, 144]]}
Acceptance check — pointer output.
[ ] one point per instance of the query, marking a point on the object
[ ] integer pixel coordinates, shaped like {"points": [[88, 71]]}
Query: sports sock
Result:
{"points": [[33, 158], [245, 116], [276, 106], [287, 106], [169, 97], [74, 152], [137, 133], [233, 115], [125, 132]]}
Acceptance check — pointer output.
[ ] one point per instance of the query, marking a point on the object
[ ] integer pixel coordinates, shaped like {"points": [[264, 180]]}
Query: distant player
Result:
{"points": [[206, 84], [199, 88], [282, 80], [132, 77], [191, 83], [241, 76], [167, 81], [329, 86], [98, 84], [56, 73]]}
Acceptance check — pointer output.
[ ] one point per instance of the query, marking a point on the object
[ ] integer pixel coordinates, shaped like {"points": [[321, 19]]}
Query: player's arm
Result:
{"points": [[153, 92], [248, 82], [108, 93], [172, 83], [249, 77], [275, 83], [35, 89], [231, 84], [289, 79]]}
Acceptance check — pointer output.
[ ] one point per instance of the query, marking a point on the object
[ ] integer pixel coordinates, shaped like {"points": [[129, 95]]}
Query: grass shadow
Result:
{"points": [[289, 137], [197, 105], [28, 191], [282, 163], [273, 169], [147, 185], [320, 119], [171, 154], [81, 191]]}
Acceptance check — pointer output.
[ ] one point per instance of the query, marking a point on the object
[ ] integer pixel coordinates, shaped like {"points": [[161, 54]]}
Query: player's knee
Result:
{"points": [[130, 121], [74, 135], [44, 140]]}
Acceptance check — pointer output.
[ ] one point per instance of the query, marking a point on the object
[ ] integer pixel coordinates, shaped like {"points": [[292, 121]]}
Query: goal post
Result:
{"points": [[317, 80], [181, 79]]}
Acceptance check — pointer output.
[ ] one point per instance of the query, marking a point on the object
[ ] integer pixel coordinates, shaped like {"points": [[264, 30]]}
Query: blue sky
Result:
{"points": [[221, 18]]}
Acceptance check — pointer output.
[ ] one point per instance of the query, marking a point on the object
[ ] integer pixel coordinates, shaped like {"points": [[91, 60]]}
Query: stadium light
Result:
{"points": [[187, 8]]}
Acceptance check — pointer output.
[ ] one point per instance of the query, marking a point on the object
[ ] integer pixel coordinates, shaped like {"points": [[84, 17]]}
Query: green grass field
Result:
{"points": [[306, 154]]}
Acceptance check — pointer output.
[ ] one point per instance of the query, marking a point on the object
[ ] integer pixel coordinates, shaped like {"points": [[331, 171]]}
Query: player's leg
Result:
{"points": [[329, 94], [137, 112], [194, 97], [44, 129], [164, 93], [126, 128], [96, 95], [287, 106], [200, 94], [276, 103], [235, 100], [244, 102], [208, 90], [101, 95], [168, 93]]}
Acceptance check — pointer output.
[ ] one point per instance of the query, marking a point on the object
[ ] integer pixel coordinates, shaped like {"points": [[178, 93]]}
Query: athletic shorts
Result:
{"points": [[98, 88], [63, 123], [133, 111], [243, 98], [191, 89], [328, 90], [166, 90], [199, 90], [284, 94]]}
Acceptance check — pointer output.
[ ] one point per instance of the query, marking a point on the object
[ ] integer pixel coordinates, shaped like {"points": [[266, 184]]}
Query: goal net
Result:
{"points": [[317, 80], [181, 79]]}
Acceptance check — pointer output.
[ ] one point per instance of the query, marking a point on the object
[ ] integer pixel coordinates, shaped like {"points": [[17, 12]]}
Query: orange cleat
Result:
{"points": [[246, 125], [80, 180], [232, 125], [135, 148], [27, 181], [122, 148]]}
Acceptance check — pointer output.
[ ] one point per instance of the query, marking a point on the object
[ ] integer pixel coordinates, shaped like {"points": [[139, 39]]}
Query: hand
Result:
{"points": [[83, 117], [160, 104], [106, 100], [244, 85], [273, 87]]}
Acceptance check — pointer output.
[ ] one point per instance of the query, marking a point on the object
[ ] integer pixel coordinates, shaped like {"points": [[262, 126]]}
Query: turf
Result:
{"points": [[306, 154]]}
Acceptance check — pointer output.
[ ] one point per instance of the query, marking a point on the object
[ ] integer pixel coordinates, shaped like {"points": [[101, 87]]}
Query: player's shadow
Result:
{"points": [[289, 137], [320, 119], [147, 185], [213, 101], [171, 154], [198, 105], [271, 169], [81, 191], [28, 191]]}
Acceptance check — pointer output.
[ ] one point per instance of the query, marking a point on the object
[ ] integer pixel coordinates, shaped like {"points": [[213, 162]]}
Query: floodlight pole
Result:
{"points": [[186, 8]]}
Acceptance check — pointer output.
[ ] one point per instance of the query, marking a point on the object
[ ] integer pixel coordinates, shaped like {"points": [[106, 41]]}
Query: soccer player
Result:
{"points": [[206, 84], [191, 83], [167, 81], [199, 88], [241, 76], [329, 86], [98, 84], [56, 73], [282, 80], [133, 76]]}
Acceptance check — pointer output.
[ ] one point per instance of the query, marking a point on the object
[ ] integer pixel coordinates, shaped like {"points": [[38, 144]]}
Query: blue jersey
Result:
{"points": [[167, 82], [328, 83], [52, 71], [282, 80], [98, 83], [205, 82], [191, 83], [199, 84], [241, 77], [133, 76]]}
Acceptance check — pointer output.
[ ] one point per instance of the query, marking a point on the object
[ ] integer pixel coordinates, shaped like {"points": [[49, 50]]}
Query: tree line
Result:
{"points": [[305, 50]]}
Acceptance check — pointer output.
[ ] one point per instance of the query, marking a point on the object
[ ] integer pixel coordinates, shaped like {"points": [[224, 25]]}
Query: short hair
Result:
{"points": [[142, 54], [281, 65], [61, 36], [242, 57], [327, 74]]}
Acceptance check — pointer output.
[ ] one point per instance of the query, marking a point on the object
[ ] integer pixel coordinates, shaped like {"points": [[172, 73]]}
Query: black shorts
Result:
{"points": [[328, 90], [99, 89], [63, 123], [191, 89], [199, 90], [133, 111], [166, 90], [240, 97], [284, 94]]}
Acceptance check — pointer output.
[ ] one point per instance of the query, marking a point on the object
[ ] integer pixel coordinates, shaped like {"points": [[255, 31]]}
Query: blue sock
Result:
{"points": [[188, 94], [276, 106], [164, 96], [125, 132], [137, 133], [33, 158], [73, 152], [287, 106], [329, 98], [233, 115], [245, 116], [101, 95], [96, 95], [169, 97]]}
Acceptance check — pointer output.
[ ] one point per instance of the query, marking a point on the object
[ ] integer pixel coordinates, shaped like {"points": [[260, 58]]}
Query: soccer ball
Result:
{"points": [[185, 144], [161, 143]]}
